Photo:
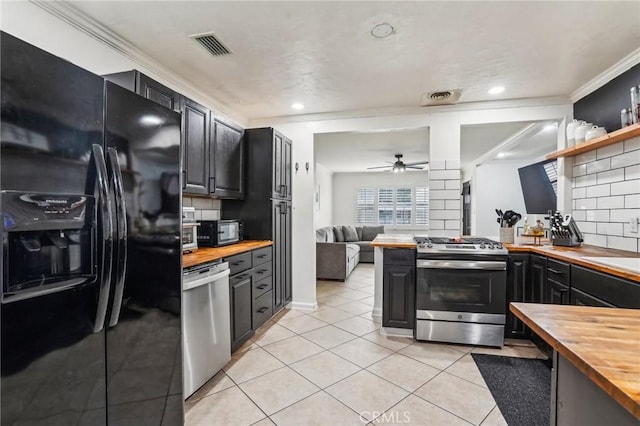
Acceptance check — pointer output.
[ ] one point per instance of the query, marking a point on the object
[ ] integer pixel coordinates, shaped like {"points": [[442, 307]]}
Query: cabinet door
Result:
{"points": [[278, 177], [537, 284], [226, 161], [157, 92], [286, 167], [517, 277], [287, 255], [241, 301], [278, 270], [195, 143], [398, 295], [557, 293], [581, 298]]}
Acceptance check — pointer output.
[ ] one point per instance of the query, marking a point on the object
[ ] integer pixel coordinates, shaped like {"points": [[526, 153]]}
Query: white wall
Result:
{"points": [[345, 185], [496, 186], [323, 197]]}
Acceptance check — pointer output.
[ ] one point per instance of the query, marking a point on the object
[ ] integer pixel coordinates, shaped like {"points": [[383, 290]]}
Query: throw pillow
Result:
{"points": [[369, 233], [337, 231], [359, 231], [350, 233]]}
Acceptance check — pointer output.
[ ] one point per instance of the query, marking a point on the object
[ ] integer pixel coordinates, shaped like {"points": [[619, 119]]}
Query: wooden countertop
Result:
{"points": [[209, 254], [603, 343], [576, 255], [394, 241]]}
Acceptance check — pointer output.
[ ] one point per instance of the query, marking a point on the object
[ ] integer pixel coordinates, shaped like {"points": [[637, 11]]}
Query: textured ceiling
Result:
{"points": [[322, 53]]}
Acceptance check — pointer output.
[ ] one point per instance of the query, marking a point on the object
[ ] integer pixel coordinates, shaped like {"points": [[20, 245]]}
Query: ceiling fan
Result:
{"points": [[400, 166]]}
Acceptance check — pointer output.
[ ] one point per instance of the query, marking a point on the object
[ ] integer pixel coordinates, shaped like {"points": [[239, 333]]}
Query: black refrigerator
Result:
{"points": [[91, 255], [266, 209]]}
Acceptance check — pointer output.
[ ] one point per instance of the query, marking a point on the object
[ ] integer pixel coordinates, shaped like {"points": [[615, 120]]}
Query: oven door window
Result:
{"points": [[188, 236], [461, 290], [228, 232]]}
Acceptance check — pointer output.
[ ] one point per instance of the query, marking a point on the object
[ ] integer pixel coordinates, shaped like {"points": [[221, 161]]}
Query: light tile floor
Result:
{"points": [[333, 367]]}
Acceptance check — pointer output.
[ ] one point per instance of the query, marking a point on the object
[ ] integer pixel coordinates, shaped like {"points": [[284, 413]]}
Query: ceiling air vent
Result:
{"points": [[212, 44], [443, 97]]}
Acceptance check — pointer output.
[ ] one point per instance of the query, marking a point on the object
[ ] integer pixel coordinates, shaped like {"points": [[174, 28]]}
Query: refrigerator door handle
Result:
{"points": [[121, 232], [106, 217]]}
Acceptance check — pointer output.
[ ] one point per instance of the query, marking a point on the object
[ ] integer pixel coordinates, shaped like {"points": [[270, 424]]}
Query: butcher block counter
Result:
{"points": [[592, 346], [209, 254]]}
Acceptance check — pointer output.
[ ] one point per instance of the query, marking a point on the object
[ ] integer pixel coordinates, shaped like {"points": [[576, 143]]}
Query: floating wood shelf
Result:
{"points": [[608, 139]]}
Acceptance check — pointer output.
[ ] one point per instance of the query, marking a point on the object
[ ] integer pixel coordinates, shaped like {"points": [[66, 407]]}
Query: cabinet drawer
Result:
{"points": [[613, 290], [234, 279], [262, 255], [262, 309], [558, 271], [262, 271], [400, 257], [262, 286], [239, 263]]}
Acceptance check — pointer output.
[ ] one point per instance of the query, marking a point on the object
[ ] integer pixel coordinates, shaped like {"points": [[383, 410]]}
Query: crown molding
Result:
{"points": [[92, 28], [386, 112], [609, 74]]}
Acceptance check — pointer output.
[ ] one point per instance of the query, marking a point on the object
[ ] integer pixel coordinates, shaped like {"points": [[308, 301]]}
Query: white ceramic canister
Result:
{"points": [[594, 132], [571, 129], [580, 132]]}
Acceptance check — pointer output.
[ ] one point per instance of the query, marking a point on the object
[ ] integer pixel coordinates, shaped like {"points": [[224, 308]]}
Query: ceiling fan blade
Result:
{"points": [[379, 167], [416, 163], [414, 167]]}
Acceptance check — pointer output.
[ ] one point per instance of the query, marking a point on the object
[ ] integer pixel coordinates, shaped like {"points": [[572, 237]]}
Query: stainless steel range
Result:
{"points": [[461, 290]]}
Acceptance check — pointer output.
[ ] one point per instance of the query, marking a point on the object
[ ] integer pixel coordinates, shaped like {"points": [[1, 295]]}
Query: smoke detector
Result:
{"points": [[441, 97]]}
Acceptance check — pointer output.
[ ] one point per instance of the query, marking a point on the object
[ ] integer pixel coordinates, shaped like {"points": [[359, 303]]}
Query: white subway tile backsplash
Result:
{"points": [[616, 175], [632, 201], [210, 214], [186, 201], [626, 187], [579, 192], [584, 158], [623, 215], [609, 151], [587, 227], [586, 204], [452, 224], [202, 203], [444, 174], [595, 240], [632, 144], [598, 191], [452, 184], [625, 160], [580, 170], [436, 204], [622, 243], [599, 166], [627, 231], [579, 215], [444, 214], [217, 204], [452, 204], [436, 184], [587, 180], [444, 195], [598, 215], [610, 229], [616, 202], [632, 172], [436, 224], [452, 164]]}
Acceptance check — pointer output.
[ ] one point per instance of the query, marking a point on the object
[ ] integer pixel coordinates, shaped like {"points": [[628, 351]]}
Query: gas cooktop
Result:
{"points": [[470, 245]]}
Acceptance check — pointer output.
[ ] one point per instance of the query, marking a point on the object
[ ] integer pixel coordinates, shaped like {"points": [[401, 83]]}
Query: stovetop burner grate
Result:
{"points": [[449, 241]]}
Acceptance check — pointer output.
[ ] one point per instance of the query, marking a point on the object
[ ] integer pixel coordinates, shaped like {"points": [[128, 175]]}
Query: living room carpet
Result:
{"points": [[521, 387]]}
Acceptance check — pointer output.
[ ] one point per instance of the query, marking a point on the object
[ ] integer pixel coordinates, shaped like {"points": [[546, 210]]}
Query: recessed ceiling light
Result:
{"points": [[496, 90], [297, 105], [550, 127], [502, 154], [382, 30]]}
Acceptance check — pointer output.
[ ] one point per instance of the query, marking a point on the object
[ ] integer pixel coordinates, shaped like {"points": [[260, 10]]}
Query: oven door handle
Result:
{"points": [[462, 264]]}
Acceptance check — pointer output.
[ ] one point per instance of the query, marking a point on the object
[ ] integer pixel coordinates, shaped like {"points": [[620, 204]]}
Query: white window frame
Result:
{"points": [[376, 207]]}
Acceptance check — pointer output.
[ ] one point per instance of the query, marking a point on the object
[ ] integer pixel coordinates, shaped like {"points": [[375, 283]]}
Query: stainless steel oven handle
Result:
{"points": [[486, 265]]}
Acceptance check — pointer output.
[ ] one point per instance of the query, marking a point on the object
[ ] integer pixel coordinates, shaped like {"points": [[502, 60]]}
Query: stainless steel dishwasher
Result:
{"points": [[206, 337]]}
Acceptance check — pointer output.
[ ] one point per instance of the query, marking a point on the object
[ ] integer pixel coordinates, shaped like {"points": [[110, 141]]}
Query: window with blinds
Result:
{"points": [[392, 206], [365, 206], [551, 169]]}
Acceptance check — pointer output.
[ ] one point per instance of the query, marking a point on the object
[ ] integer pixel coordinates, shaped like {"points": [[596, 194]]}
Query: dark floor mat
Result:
{"points": [[521, 387]]}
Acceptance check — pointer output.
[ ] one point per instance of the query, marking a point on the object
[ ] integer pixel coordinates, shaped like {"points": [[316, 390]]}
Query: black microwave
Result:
{"points": [[216, 233]]}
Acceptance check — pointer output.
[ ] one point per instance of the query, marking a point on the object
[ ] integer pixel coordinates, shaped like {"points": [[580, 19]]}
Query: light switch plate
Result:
{"points": [[633, 225]]}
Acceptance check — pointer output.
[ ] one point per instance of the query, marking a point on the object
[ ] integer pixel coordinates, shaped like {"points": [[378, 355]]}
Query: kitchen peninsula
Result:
{"points": [[596, 374]]}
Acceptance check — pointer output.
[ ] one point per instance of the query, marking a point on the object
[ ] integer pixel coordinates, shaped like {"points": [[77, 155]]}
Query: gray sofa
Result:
{"points": [[338, 251]]}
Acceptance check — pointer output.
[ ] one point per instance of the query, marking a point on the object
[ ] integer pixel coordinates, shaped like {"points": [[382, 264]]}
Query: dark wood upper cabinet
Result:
{"points": [[286, 167], [147, 87], [226, 160], [195, 146]]}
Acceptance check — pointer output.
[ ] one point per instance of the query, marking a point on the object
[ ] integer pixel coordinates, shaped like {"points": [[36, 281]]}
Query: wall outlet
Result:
{"points": [[633, 225]]}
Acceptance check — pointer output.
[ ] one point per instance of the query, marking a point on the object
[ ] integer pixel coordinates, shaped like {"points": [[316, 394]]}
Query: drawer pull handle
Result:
{"points": [[262, 271], [240, 262], [242, 277], [262, 286], [555, 271], [262, 256], [263, 310]]}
